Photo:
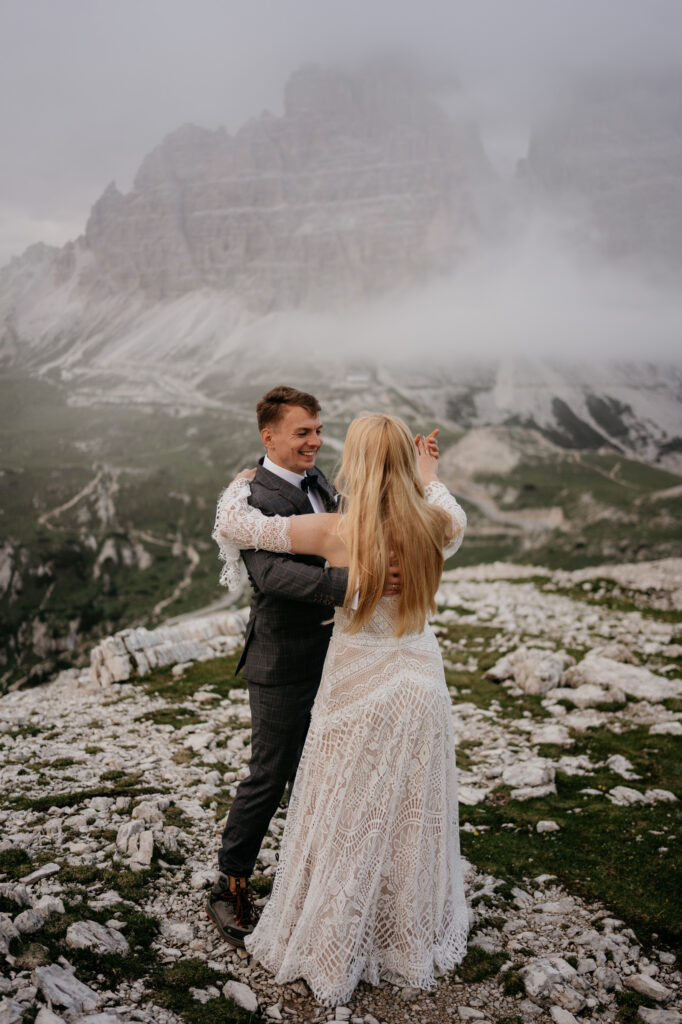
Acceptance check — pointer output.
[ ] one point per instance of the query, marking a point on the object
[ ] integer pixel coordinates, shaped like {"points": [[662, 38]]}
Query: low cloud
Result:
{"points": [[534, 296]]}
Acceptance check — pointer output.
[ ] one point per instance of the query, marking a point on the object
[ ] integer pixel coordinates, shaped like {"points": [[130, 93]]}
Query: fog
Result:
{"points": [[88, 87], [530, 296]]}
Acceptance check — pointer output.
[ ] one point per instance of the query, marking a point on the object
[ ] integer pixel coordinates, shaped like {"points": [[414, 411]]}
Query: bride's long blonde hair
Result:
{"points": [[384, 509]]}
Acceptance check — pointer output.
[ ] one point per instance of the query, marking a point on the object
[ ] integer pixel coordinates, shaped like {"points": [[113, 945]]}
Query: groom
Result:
{"points": [[285, 646]]}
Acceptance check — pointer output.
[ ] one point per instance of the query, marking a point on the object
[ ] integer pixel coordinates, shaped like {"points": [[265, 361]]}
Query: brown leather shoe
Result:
{"points": [[230, 906]]}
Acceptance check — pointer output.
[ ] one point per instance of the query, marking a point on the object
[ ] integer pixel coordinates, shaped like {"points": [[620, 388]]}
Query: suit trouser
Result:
{"points": [[280, 716]]}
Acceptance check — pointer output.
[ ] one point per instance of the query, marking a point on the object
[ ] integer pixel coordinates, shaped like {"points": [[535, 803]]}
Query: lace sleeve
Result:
{"points": [[239, 525], [437, 493]]}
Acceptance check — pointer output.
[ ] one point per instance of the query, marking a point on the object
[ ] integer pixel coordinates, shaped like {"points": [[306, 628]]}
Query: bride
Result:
{"points": [[369, 881]]}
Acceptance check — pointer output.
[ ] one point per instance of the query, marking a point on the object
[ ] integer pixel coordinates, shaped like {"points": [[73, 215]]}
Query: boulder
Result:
{"points": [[125, 833], [11, 1012], [8, 931], [535, 772], [97, 937], [533, 669], [141, 849], [63, 988], [647, 986], [633, 680], [651, 1016]]}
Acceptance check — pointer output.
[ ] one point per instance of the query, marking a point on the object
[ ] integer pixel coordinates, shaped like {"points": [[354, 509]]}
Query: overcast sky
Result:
{"points": [[88, 87]]}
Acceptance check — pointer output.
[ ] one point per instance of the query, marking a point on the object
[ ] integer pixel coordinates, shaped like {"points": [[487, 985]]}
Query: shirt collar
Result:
{"points": [[284, 474]]}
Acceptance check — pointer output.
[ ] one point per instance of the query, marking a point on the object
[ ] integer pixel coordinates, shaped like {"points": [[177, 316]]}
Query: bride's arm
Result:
{"points": [[241, 525], [436, 493]]}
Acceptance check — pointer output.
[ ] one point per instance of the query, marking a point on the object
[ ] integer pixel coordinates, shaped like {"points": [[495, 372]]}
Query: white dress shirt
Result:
{"points": [[295, 479]]}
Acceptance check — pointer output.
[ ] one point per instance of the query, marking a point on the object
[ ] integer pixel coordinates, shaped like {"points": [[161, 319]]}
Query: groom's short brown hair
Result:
{"points": [[271, 406]]}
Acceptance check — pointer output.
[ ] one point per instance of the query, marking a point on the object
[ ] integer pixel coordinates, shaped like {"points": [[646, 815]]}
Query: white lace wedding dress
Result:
{"points": [[369, 880]]}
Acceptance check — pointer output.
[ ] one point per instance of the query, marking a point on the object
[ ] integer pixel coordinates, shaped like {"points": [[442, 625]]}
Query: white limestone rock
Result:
{"points": [[8, 931], [552, 733], [608, 979], [619, 764], [647, 986], [561, 1016], [148, 812], [63, 988], [533, 792], [534, 670], [666, 729], [625, 796], [655, 1016], [535, 772], [97, 937], [540, 974], [141, 849], [110, 662], [29, 921], [47, 1016], [11, 1012], [547, 826], [654, 796], [633, 680], [42, 872], [471, 795], [587, 695], [191, 640], [180, 932], [16, 892], [566, 996], [126, 832]]}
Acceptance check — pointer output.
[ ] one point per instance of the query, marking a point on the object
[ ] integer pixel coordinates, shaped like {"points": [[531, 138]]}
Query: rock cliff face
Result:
{"points": [[361, 185], [613, 154]]}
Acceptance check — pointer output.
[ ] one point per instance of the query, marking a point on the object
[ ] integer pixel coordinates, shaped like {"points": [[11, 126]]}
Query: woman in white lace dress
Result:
{"points": [[369, 881]]}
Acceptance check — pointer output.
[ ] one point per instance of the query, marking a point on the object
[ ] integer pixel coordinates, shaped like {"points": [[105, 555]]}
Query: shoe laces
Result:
{"points": [[244, 907], [242, 900]]}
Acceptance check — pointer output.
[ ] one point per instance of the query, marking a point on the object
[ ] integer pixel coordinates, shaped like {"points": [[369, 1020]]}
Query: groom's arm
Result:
{"points": [[282, 576]]}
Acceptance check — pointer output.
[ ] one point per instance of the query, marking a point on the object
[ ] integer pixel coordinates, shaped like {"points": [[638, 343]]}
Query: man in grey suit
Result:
{"points": [[286, 643]]}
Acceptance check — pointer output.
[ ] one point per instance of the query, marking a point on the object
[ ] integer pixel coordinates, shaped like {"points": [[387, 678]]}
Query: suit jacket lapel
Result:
{"points": [[297, 496]]}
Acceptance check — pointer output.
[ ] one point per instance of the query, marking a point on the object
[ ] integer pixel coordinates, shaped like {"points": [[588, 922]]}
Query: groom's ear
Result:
{"points": [[266, 436]]}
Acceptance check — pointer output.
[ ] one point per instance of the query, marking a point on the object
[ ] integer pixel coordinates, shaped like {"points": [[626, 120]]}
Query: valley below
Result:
{"points": [[108, 492]]}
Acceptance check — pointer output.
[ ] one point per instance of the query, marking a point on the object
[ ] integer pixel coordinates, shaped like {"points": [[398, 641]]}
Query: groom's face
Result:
{"points": [[294, 441]]}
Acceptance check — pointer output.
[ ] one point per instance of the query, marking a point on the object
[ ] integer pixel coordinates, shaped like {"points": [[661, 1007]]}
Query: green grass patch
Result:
{"points": [[125, 787], [173, 716], [604, 853], [15, 863], [478, 965], [628, 1004], [216, 674], [169, 986], [261, 884], [140, 930]]}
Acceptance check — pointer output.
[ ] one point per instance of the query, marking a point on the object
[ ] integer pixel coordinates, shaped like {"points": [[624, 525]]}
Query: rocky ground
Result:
{"points": [[567, 708]]}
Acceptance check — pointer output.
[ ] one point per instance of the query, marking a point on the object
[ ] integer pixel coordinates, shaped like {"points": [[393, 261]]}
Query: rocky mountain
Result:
{"points": [[235, 256], [611, 154], [363, 184]]}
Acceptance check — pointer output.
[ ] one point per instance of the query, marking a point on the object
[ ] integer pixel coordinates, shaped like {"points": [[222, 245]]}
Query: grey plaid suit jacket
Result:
{"points": [[293, 594]]}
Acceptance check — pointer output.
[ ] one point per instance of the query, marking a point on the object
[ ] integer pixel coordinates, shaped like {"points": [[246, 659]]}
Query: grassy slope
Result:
{"points": [[167, 472]]}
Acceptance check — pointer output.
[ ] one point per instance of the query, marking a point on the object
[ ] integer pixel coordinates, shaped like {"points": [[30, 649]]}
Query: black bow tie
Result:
{"points": [[310, 483]]}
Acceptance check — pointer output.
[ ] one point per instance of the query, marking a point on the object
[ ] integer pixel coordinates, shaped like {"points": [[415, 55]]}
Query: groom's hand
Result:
{"points": [[393, 582]]}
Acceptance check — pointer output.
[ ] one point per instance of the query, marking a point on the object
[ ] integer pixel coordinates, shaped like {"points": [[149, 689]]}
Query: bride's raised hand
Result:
{"points": [[428, 462], [246, 474]]}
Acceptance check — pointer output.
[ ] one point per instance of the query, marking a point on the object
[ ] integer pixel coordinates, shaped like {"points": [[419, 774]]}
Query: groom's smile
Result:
{"points": [[294, 440]]}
